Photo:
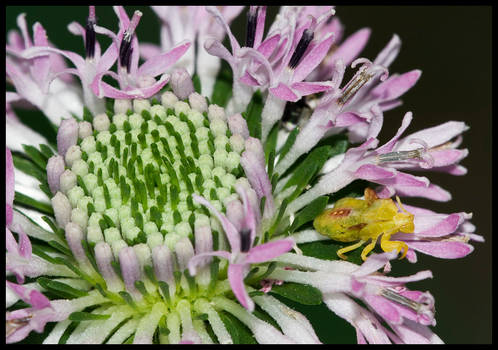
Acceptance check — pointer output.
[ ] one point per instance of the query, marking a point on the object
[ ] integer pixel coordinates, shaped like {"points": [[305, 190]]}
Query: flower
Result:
{"points": [[406, 312], [440, 235], [113, 222], [136, 82], [243, 253], [56, 100], [192, 23]]}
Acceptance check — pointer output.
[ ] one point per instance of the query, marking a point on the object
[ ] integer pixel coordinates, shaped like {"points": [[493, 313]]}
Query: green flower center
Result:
{"points": [[136, 175]]}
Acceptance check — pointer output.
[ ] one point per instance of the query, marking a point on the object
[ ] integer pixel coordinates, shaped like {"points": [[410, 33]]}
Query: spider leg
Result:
{"points": [[368, 248], [341, 251], [389, 246]]}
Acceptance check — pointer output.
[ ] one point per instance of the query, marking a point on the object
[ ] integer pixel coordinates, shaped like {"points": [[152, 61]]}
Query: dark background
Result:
{"points": [[452, 46]]}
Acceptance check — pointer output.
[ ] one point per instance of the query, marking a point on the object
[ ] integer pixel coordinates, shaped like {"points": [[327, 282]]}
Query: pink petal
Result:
{"points": [[389, 53], [260, 26], [236, 274], [10, 242], [403, 179], [268, 251], [308, 88], [248, 79], [396, 86], [146, 92], [448, 156], [9, 177], [352, 46], [21, 23], [388, 146], [268, 46], [348, 119], [442, 249], [33, 297], [283, 92], [396, 281], [374, 263], [25, 248], [215, 48], [384, 308], [442, 228], [8, 214], [434, 136], [159, 64], [312, 59], [372, 172], [221, 20], [76, 59], [230, 230], [433, 192], [149, 50], [107, 59], [124, 20]]}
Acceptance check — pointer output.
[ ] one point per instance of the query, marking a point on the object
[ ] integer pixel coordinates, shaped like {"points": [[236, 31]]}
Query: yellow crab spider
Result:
{"points": [[361, 220]]}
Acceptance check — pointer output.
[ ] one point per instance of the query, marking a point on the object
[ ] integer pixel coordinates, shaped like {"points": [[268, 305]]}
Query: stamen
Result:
{"points": [[420, 154], [90, 33], [245, 240], [402, 300], [399, 156], [252, 20], [125, 50], [303, 44], [364, 74]]}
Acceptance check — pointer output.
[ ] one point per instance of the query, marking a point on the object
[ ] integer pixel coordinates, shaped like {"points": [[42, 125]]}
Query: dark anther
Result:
{"points": [[301, 48], [245, 240], [252, 20], [90, 38], [125, 51]]}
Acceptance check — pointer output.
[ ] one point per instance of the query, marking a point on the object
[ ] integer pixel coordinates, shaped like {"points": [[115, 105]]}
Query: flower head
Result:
{"points": [[114, 221]]}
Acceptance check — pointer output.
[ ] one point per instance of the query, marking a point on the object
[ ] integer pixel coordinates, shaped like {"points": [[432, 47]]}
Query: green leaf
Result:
{"points": [[127, 298], [45, 189], [271, 143], [309, 213], [327, 250], [262, 315], [197, 83], [87, 316], [23, 200], [36, 156], [238, 331], [252, 115], [39, 251], [301, 293], [46, 150], [305, 171], [291, 138], [60, 288], [255, 293], [29, 168], [64, 250], [88, 116], [222, 90], [165, 290]]}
